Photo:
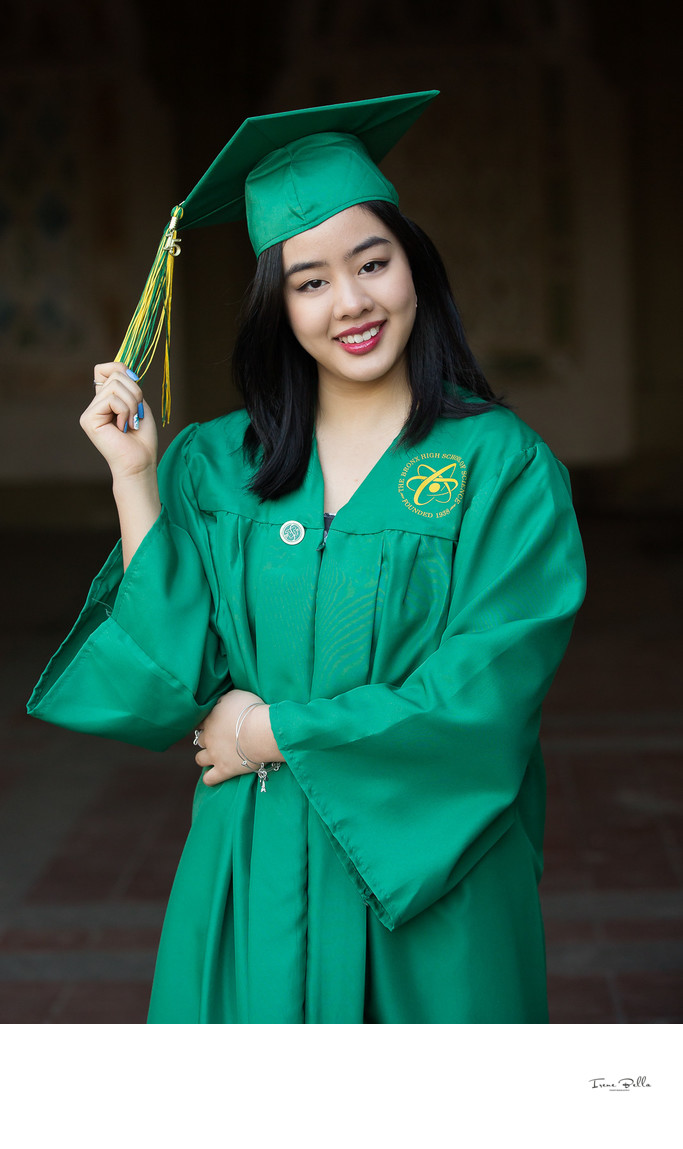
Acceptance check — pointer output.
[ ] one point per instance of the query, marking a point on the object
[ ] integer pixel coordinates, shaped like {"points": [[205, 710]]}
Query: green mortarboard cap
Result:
{"points": [[293, 170], [286, 173]]}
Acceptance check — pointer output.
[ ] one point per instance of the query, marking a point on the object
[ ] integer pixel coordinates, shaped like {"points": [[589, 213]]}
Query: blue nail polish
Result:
{"points": [[141, 410], [131, 374], [136, 423], [125, 427]]}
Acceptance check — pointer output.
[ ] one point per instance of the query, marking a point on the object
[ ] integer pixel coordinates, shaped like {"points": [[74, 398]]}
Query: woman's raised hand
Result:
{"points": [[122, 427], [119, 422]]}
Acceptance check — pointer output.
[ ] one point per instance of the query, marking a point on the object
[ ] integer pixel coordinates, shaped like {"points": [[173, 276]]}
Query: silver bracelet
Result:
{"points": [[258, 768]]}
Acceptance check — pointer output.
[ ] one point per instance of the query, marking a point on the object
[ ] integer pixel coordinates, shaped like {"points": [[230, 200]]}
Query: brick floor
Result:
{"points": [[91, 831]]}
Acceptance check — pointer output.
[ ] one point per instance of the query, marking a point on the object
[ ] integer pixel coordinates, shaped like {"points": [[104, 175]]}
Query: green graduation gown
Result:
{"points": [[390, 872]]}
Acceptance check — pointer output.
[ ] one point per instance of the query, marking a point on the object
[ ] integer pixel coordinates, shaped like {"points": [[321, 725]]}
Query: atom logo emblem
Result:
{"points": [[432, 485]]}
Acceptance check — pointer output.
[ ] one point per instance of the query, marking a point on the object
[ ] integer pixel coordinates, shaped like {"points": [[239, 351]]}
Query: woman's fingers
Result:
{"points": [[228, 766], [212, 777], [217, 753], [117, 407], [216, 774], [103, 371], [112, 403], [118, 399], [122, 396]]}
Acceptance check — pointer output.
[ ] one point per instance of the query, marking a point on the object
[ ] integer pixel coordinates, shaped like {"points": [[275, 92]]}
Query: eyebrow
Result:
{"points": [[372, 241]]}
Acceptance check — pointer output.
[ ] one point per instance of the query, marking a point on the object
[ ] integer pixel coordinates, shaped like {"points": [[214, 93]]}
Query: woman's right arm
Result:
{"points": [[145, 661], [122, 427]]}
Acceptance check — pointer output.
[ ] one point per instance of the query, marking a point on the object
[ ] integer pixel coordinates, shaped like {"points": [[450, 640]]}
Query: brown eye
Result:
{"points": [[311, 285]]}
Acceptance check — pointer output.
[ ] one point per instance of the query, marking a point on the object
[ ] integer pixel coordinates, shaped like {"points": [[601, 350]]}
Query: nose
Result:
{"points": [[351, 298]]}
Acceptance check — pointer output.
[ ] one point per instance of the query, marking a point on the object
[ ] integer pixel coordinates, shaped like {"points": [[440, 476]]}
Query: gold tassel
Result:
{"points": [[153, 314]]}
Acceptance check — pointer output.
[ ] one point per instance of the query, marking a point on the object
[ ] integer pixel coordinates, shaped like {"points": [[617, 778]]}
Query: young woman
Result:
{"points": [[356, 591]]}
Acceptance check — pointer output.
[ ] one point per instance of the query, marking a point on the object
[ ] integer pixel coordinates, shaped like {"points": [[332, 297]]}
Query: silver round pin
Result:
{"points": [[292, 532]]}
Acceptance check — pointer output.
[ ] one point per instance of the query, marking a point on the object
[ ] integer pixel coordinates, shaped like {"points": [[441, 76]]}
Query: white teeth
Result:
{"points": [[367, 335]]}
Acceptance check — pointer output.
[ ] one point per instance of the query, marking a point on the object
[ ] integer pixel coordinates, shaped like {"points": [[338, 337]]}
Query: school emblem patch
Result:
{"points": [[432, 485]]}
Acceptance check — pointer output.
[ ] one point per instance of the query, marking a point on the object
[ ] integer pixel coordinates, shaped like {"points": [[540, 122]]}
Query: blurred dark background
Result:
{"points": [[549, 175]]}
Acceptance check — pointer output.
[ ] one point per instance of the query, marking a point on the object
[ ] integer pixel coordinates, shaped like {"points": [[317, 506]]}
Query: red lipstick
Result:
{"points": [[363, 345]]}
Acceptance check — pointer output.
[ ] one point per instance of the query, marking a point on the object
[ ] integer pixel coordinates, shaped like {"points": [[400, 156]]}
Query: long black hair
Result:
{"points": [[279, 380]]}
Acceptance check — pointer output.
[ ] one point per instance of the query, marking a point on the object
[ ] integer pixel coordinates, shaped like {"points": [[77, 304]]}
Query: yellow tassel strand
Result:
{"points": [[153, 314]]}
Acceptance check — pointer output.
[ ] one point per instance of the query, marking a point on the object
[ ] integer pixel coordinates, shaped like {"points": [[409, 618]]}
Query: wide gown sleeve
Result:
{"points": [[414, 782], [144, 664]]}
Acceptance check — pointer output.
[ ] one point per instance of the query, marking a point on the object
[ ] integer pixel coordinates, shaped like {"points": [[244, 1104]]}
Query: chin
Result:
{"points": [[365, 377], [369, 369]]}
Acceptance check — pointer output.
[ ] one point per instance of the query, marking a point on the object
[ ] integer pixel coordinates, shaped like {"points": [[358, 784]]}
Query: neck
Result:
{"points": [[360, 407]]}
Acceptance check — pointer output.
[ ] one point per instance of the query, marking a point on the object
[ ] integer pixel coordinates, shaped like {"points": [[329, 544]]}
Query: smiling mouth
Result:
{"points": [[362, 340]]}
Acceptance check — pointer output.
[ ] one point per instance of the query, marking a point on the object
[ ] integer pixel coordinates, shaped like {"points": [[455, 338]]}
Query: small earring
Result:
{"points": [[416, 301]]}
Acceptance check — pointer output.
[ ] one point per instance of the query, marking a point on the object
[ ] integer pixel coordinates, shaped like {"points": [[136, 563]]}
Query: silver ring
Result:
{"points": [[196, 739], [96, 384]]}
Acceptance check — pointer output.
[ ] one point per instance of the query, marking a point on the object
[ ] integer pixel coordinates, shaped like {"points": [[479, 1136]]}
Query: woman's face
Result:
{"points": [[350, 298]]}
